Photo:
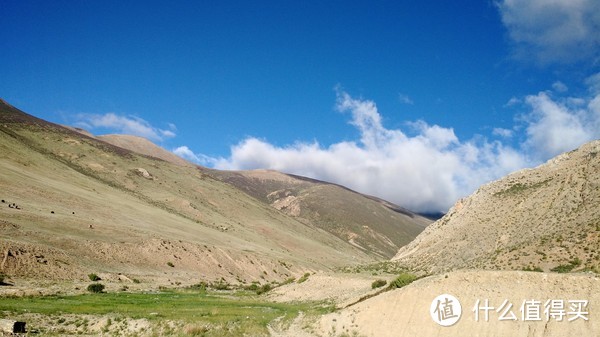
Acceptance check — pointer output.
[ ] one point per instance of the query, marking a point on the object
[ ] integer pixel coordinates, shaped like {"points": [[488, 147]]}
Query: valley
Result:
{"points": [[184, 250]]}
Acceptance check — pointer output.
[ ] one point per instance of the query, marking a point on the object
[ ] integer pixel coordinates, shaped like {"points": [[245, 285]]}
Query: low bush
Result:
{"points": [[220, 285], [96, 288], [263, 289], [199, 286], [94, 277], [252, 287], [565, 268], [402, 280]]}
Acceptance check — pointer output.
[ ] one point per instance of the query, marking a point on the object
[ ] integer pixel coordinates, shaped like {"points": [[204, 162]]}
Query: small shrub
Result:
{"points": [[220, 285], [199, 286], [170, 264], [402, 280], [94, 277], [136, 281], [378, 284], [565, 268], [96, 288], [303, 278], [263, 289], [252, 287]]}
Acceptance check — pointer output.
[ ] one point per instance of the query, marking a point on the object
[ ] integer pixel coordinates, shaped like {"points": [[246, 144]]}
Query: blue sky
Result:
{"points": [[416, 102]]}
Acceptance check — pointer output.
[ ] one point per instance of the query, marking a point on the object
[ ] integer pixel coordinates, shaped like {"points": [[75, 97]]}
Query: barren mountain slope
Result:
{"points": [[87, 206], [143, 146], [373, 225], [542, 218]]}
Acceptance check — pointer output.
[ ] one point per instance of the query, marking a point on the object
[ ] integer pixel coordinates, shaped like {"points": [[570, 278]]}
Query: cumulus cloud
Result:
{"points": [[556, 125], [125, 124], [552, 31], [431, 168], [425, 172], [186, 153]]}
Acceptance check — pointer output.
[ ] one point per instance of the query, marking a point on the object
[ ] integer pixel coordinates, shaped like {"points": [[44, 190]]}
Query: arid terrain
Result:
{"points": [[183, 250], [541, 218], [85, 206]]}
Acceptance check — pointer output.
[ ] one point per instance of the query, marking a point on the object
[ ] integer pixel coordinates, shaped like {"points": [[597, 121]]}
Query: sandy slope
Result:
{"points": [[405, 312]]}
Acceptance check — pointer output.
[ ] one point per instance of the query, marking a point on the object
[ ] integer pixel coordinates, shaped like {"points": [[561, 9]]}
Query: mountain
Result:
{"points": [[73, 204], [546, 218], [373, 225]]}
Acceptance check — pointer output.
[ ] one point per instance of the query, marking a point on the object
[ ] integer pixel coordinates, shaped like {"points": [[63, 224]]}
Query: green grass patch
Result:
{"points": [[242, 312], [565, 268], [520, 188], [402, 280], [303, 278]]}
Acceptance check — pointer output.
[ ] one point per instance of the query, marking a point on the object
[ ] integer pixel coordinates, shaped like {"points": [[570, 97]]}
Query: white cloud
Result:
{"points": [[512, 102], [557, 125], [559, 86], [186, 153], [406, 99], [593, 82], [125, 124], [553, 30], [505, 133], [167, 133], [425, 172], [431, 169]]}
